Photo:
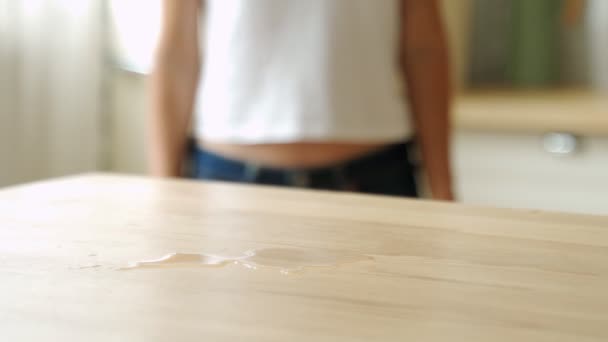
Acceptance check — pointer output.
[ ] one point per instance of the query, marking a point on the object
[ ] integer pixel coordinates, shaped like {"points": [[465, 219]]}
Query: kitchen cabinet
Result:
{"points": [[544, 150]]}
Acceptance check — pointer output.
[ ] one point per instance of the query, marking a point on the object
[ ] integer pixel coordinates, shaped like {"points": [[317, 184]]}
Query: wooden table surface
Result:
{"points": [[581, 112], [440, 272]]}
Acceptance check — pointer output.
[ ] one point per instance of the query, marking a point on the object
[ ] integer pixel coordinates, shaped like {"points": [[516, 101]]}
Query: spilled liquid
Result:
{"points": [[287, 261]]}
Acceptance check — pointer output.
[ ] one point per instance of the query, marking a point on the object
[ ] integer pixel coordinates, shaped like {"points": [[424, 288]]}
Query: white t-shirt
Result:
{"points": [[280, 71]]}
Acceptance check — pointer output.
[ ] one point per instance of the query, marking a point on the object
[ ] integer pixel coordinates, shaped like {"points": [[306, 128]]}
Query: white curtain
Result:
{"points": [[51, 60]]}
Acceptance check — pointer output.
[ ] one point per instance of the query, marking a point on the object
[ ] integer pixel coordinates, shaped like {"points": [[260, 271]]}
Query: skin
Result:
{"points": [[423, 58], [172, 86]]}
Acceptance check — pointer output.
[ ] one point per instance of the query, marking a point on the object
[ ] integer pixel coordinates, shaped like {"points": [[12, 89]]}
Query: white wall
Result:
{"points": [[127, 122]]}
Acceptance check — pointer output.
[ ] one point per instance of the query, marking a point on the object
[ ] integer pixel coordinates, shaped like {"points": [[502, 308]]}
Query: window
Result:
{"points": [[135, 26]]}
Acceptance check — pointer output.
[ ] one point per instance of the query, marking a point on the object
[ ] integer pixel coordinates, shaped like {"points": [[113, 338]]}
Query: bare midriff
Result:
{"points": [[294, 155]]}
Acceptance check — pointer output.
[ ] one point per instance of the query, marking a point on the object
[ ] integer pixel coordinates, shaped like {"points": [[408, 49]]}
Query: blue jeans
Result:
{"points": [[385, 172]]}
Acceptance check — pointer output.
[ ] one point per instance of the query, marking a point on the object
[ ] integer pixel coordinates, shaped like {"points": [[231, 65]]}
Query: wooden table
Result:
{"points": [[440, 272], [581, 112]]}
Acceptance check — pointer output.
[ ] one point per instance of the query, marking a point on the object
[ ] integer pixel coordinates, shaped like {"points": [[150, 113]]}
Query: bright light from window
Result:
{"points": [[76, 8], [136, 26]]}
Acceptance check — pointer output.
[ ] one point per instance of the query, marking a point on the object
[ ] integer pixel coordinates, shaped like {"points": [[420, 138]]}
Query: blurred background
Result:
{"points": [[530, 116]]}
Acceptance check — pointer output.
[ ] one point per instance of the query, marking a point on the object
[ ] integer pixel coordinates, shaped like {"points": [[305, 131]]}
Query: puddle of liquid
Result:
{"points": [[89, 267], [287, 261]]}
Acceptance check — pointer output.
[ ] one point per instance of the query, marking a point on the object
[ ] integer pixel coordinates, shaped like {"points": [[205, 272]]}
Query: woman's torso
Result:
{"points": [[300, 83]]}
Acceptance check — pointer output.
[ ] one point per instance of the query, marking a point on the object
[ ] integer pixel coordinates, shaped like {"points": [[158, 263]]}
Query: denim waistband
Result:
{"points": [[393, 152]]}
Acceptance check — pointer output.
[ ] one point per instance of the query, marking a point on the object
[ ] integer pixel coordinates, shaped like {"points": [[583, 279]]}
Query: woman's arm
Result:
{"points": [[172, 86], [425, 62]]}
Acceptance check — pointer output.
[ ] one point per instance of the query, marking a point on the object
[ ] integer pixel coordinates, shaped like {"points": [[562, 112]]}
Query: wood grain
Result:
{"points": [[443, 272], [574, 111]]}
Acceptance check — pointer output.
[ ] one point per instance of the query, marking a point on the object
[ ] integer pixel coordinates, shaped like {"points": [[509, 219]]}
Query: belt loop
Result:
{"points": [[339, 173], [251, 173], [300, 179]]}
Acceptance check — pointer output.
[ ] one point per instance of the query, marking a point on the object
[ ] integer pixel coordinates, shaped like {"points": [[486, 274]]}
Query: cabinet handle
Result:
{"points": [[562, 144]]}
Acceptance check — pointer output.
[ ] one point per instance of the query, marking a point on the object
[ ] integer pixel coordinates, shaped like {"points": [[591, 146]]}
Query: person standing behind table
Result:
{"points": [[303, 93]]}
